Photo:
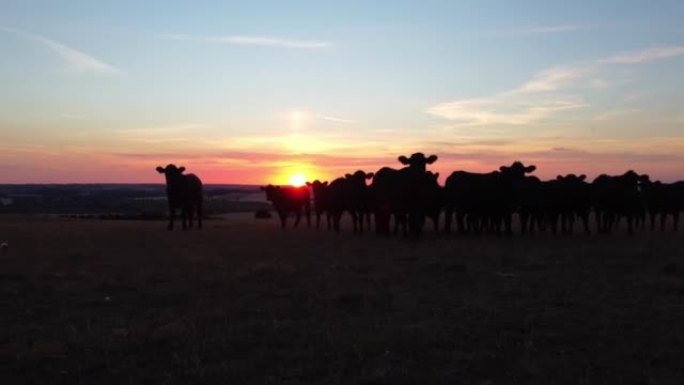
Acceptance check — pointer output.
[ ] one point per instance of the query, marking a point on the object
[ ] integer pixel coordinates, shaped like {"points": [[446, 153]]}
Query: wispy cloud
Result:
{"points": [[76, 59], [508, 108], [527, 31], [543, 30], [336, 119], [263, 41], [165, 129], [555, 78], [72, 116], [615, 114], [645, 56], [542, 96]]}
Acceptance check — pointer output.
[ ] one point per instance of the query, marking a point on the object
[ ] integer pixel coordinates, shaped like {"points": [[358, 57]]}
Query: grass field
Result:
{"points": [[112, 302]]}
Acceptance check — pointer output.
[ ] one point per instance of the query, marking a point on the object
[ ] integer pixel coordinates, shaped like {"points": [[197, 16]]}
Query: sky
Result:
{"points": [[253, 92]]}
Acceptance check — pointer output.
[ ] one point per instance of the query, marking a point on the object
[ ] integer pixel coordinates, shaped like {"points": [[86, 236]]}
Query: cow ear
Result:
{"points": [[531, 168], [161, 170], [403, 160], [181, 169], [436, 175], [431, 159], [369, 175], [559, 177], [582, 177], [348, 175], [308, 183], [325, 183], [503, 168]]}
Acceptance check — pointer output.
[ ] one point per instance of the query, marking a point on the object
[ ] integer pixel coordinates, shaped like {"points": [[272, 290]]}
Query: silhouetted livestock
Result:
{"points": [[429, 200], [664, 199], [360, 198], [569, 198], [615, 197], [534, 204], [184, 191], [483, 201], [289, 199], [321, 201], [350, 194], [399, 193]]}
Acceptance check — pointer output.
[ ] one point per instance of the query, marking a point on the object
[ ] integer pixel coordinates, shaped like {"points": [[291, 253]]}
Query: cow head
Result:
{"points": [[517, 169], [572, 178], [171, 172], [631, 178], [317, 184], [271, 191], [418, 161], [359, 176]]}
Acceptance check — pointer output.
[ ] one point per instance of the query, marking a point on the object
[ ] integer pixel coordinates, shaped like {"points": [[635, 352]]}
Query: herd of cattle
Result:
{"points": [[480, 202]]}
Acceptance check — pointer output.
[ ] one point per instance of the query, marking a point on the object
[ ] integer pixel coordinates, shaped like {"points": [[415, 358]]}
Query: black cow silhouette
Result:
{"points": [[289, 199], [184, 191], [571, 198], [429, 199], [398, 192], [359, 197], [615, 197], [484, 201], [350, 194], [663, 199], [321, 201], [535, 208]]}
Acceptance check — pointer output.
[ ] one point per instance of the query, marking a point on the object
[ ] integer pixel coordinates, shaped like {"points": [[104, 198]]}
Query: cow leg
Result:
{"points": [[607, 222], [354, 218], [555, 218], [318, 219], [460, 222], [337, 217], [571, 223], [508, 224], [172, 214], [184, 218], [675, 220], [403, 223], [283, 219], [524, 218], [382, 221], [191, 212], [663, 219], [199, 215], [585, 223], [308, 217], [448, 213], [298, 217]]}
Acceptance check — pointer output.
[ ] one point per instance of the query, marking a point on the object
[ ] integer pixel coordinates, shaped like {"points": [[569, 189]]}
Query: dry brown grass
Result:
{"points": [[244, 302]]}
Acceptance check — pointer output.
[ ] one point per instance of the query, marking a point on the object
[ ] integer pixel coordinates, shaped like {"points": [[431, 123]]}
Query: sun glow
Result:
{"points": [[298, 179]]}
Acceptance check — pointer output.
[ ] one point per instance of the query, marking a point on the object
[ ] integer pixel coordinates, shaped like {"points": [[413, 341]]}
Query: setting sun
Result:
{"points": [[298, 179]]}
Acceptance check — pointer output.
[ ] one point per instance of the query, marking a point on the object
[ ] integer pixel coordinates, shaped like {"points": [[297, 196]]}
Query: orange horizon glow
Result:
{"points": [[39, 165]]}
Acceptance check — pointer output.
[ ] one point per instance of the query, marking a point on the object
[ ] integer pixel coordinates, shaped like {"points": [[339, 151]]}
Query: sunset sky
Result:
{"points": [[256, 91]]}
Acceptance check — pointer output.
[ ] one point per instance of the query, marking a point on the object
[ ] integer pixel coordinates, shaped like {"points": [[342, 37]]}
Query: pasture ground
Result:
{"points": [[242, 302]]}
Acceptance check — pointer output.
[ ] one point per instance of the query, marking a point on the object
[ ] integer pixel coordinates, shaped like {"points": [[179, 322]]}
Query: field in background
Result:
{"points": [[88, 301]]}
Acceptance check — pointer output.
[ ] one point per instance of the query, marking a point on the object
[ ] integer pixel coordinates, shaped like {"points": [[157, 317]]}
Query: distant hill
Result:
{"points": [[146, 201]]}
